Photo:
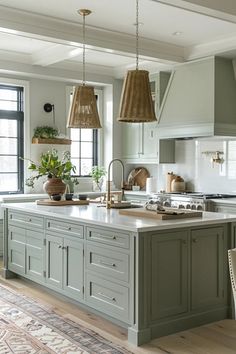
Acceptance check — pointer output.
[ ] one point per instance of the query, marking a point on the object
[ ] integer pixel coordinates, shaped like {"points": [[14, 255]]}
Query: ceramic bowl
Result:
{"points": [[69, 196], [56, 197], [82, 196]]}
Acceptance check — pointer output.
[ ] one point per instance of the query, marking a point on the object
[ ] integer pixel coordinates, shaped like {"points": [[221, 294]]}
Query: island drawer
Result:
{"points": [[107, 262], [108, 297], [25, 219], [67, 228], [111, 237]]}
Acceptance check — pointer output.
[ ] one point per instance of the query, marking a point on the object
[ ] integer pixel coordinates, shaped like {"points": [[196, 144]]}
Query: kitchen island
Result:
{"points": [[153, 277]]}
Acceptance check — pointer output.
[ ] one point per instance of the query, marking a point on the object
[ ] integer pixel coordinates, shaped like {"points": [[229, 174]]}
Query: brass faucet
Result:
{"points": [[108, 198]]}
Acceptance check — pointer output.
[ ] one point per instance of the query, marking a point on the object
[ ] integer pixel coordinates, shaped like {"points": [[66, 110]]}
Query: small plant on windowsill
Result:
{"points": [[57, 170], [97, 173]]}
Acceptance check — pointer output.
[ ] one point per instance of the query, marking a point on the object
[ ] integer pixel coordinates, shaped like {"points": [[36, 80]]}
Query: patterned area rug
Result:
{"points": [[28, 327]]}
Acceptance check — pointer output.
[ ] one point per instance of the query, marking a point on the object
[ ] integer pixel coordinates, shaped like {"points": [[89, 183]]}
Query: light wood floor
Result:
{"points": [[215, 338]]}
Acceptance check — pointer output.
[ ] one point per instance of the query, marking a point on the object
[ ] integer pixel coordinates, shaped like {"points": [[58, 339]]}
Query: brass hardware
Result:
{"points": [[215, 157], [108, 197], [60, 246]]}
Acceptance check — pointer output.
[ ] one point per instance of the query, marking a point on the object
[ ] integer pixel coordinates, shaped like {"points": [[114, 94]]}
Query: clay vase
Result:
{"points": [[54, 186]]}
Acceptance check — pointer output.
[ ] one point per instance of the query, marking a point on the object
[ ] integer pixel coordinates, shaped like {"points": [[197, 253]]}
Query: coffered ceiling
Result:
{"points": [[42, 37]]}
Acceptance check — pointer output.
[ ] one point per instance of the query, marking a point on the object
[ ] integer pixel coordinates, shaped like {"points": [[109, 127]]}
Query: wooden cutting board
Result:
{"points": [[144, 213], [138, 177], [61, 202]]}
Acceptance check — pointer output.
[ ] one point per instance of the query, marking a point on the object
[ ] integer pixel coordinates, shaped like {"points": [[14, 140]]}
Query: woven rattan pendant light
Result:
{"points": [[136, 105], [83, 111]]}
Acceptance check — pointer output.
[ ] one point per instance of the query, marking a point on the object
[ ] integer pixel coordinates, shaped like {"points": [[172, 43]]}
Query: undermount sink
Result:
{"points": [[125, 205]]}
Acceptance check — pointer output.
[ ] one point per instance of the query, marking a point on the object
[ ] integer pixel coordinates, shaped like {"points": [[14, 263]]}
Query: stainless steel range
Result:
{"points": [[185, 200]]}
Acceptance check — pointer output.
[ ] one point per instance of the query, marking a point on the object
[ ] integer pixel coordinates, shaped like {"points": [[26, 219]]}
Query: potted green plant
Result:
{"points": [[57, 170], [97, 173], [45, 132]]}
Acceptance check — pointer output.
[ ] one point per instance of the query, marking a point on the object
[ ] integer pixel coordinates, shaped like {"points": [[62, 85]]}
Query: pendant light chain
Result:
{"points": [[137, 34], [83, 49]]}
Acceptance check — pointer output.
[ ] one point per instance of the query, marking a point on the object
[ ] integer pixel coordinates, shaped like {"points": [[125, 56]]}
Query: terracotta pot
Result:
{"points": [[54, 186]]}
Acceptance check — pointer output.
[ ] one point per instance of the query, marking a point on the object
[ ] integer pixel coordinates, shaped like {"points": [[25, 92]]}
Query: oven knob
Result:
{"points": [[193, 207], [166, 204], [181, 206], [199, 207], [188, 206]]}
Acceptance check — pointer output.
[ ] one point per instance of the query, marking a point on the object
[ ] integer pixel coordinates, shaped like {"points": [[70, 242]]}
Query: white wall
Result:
{"points": [[43, 91]]}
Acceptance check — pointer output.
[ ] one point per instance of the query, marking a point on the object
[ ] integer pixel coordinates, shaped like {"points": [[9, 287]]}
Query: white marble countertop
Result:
{"points": [[100, 216]]}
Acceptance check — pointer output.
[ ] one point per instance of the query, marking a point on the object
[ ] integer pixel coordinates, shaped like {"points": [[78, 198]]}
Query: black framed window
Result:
{"points": [[84, 149], [11, 139]]}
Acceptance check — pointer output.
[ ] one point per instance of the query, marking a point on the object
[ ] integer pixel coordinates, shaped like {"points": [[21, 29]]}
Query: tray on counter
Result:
{"points": [[62, 202], [168, 214]]}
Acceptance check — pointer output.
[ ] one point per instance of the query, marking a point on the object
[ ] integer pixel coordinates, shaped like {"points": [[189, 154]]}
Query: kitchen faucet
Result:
{"points": [[109, 201]]}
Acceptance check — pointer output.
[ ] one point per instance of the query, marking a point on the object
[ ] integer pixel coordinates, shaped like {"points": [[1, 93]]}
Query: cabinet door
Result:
{"points": [[16, 249], [73, 268], [131, 140], [54, 263], [169, 274], [35, 255], [207, 265], [149, 141], [158, 83]]}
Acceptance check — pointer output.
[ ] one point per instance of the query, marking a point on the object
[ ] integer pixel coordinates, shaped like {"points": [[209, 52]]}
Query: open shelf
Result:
{"points": [[51, 141]]}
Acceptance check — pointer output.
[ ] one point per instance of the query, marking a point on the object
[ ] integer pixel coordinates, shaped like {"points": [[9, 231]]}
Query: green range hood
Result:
{"points": [[200, 100]]}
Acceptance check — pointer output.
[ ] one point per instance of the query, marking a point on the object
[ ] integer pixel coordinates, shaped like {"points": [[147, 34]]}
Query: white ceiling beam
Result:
{"points": [[69, 33], [221, 9], [54, 54], [222, 47], [95, 76]]}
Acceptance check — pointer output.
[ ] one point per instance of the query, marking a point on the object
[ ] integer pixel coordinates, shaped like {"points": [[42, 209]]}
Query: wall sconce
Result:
{"points": [[215, 157], [48, 108]]}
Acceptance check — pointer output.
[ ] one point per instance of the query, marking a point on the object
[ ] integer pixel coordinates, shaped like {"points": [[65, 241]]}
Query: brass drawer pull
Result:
{"points": [[69, 228], [29, 220], [60, 246], [107, 297], [108, 264]]}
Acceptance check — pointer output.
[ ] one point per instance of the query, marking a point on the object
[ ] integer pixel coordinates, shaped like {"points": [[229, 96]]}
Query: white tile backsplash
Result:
{"points": [[200, 174], [196, 168]]}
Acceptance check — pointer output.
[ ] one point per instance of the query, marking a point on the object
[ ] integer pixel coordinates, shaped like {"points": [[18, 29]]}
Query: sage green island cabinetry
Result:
{"points": [[153, 277], [25, 245], [64, 257], [199, 100]]}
